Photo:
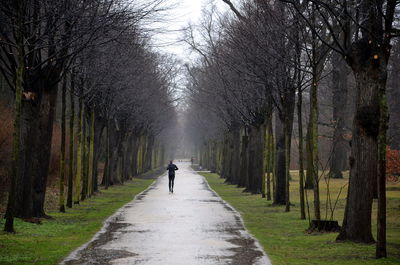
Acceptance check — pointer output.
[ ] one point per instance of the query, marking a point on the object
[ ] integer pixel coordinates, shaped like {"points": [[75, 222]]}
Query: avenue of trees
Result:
{"points": [[92, 61], [257, 89]]}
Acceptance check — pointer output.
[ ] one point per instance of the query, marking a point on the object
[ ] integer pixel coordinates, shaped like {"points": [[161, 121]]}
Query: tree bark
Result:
{"points": [[235, 156], [41, 156], [225, 158], [84, 155], [79, 157], [149, 151], [381, 181], [143, 147], [232, 161], [263, 178], [128, 150], [9, 224], [23, 207], [244, 161], [106, 173], [283, 132], [71, 144], [61, 203], [309, 181], [363, 160], [140, 154], [269, 156], [98, 133], [301, 158], [92, 166], [280, 177], [288, 138], [113, 146], [339, 100], [134, 155], [313, 144], [256, 158]]}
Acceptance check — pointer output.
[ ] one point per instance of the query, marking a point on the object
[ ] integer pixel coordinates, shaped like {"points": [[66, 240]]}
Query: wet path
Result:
{"points": [[191, 226]]}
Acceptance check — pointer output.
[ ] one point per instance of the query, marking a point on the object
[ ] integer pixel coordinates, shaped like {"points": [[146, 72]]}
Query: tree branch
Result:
{"points": [[233, 8]]}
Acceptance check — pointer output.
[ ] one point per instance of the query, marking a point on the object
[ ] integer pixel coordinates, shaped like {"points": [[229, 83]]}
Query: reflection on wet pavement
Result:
{"points": [[191, 226]]}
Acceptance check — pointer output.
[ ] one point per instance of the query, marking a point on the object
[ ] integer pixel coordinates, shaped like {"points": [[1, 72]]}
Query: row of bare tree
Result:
{"points": [[254, 62], [96, 54]]}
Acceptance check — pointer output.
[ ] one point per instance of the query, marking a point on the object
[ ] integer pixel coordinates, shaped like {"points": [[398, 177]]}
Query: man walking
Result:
{"points": [[171, 175]]}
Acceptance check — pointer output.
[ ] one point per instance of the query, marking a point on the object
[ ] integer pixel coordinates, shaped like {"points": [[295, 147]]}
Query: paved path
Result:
{"points": [[191, 226]]}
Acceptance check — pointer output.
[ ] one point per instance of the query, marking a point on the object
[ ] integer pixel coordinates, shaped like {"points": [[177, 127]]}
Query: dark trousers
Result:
{"points": [[171, 182]]}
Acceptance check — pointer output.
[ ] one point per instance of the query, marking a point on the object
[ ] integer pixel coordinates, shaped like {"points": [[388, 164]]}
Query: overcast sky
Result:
{"points": [[185, 12]]}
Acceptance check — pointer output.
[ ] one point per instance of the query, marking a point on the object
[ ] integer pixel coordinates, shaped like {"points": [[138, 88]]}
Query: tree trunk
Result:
{"points": [[219, 158], [256, 158], [79, 157], [85, 178], [263, 180], [229, 159], [71, 144], [143, 146], [9, 224], [97, 150], [283, 133], [91, 165], [280, 164], [363, 160], [381, 181], [61, 203], [84, 155], [287, 165], [339, 100], [213, 158], [273, 164], [269, 156], [23, 207], [301, 159], [149, 149], [313, 145], [41, 156], [134, 159], [127, 157], [244, 161], [155, 155], [309, 182], [106, 173], [251, 175], [113, 155], [235, 156], [225, 158], [140, 155]]}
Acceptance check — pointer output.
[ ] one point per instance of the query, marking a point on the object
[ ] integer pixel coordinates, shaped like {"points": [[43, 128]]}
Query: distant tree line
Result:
{"points": [[116, 95], [269, 60]]}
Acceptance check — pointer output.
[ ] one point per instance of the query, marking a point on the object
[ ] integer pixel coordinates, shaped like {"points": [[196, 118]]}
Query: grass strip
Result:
{"points": [[284, 237], [51, 241]]}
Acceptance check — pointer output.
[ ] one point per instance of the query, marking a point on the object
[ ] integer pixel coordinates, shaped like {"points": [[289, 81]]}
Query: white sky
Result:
{"points": [[167, 39], [185, 12]]}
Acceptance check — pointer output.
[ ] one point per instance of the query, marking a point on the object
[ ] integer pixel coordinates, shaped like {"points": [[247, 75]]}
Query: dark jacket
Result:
{"points": [[171, 169]]}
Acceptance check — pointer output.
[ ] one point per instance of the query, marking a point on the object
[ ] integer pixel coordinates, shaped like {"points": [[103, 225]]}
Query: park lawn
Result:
{"points": [[284, 237], [54, 239]]}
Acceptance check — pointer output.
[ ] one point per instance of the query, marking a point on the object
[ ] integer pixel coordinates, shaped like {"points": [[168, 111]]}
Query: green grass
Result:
{"points": [[54, 239], [284, 237]]}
